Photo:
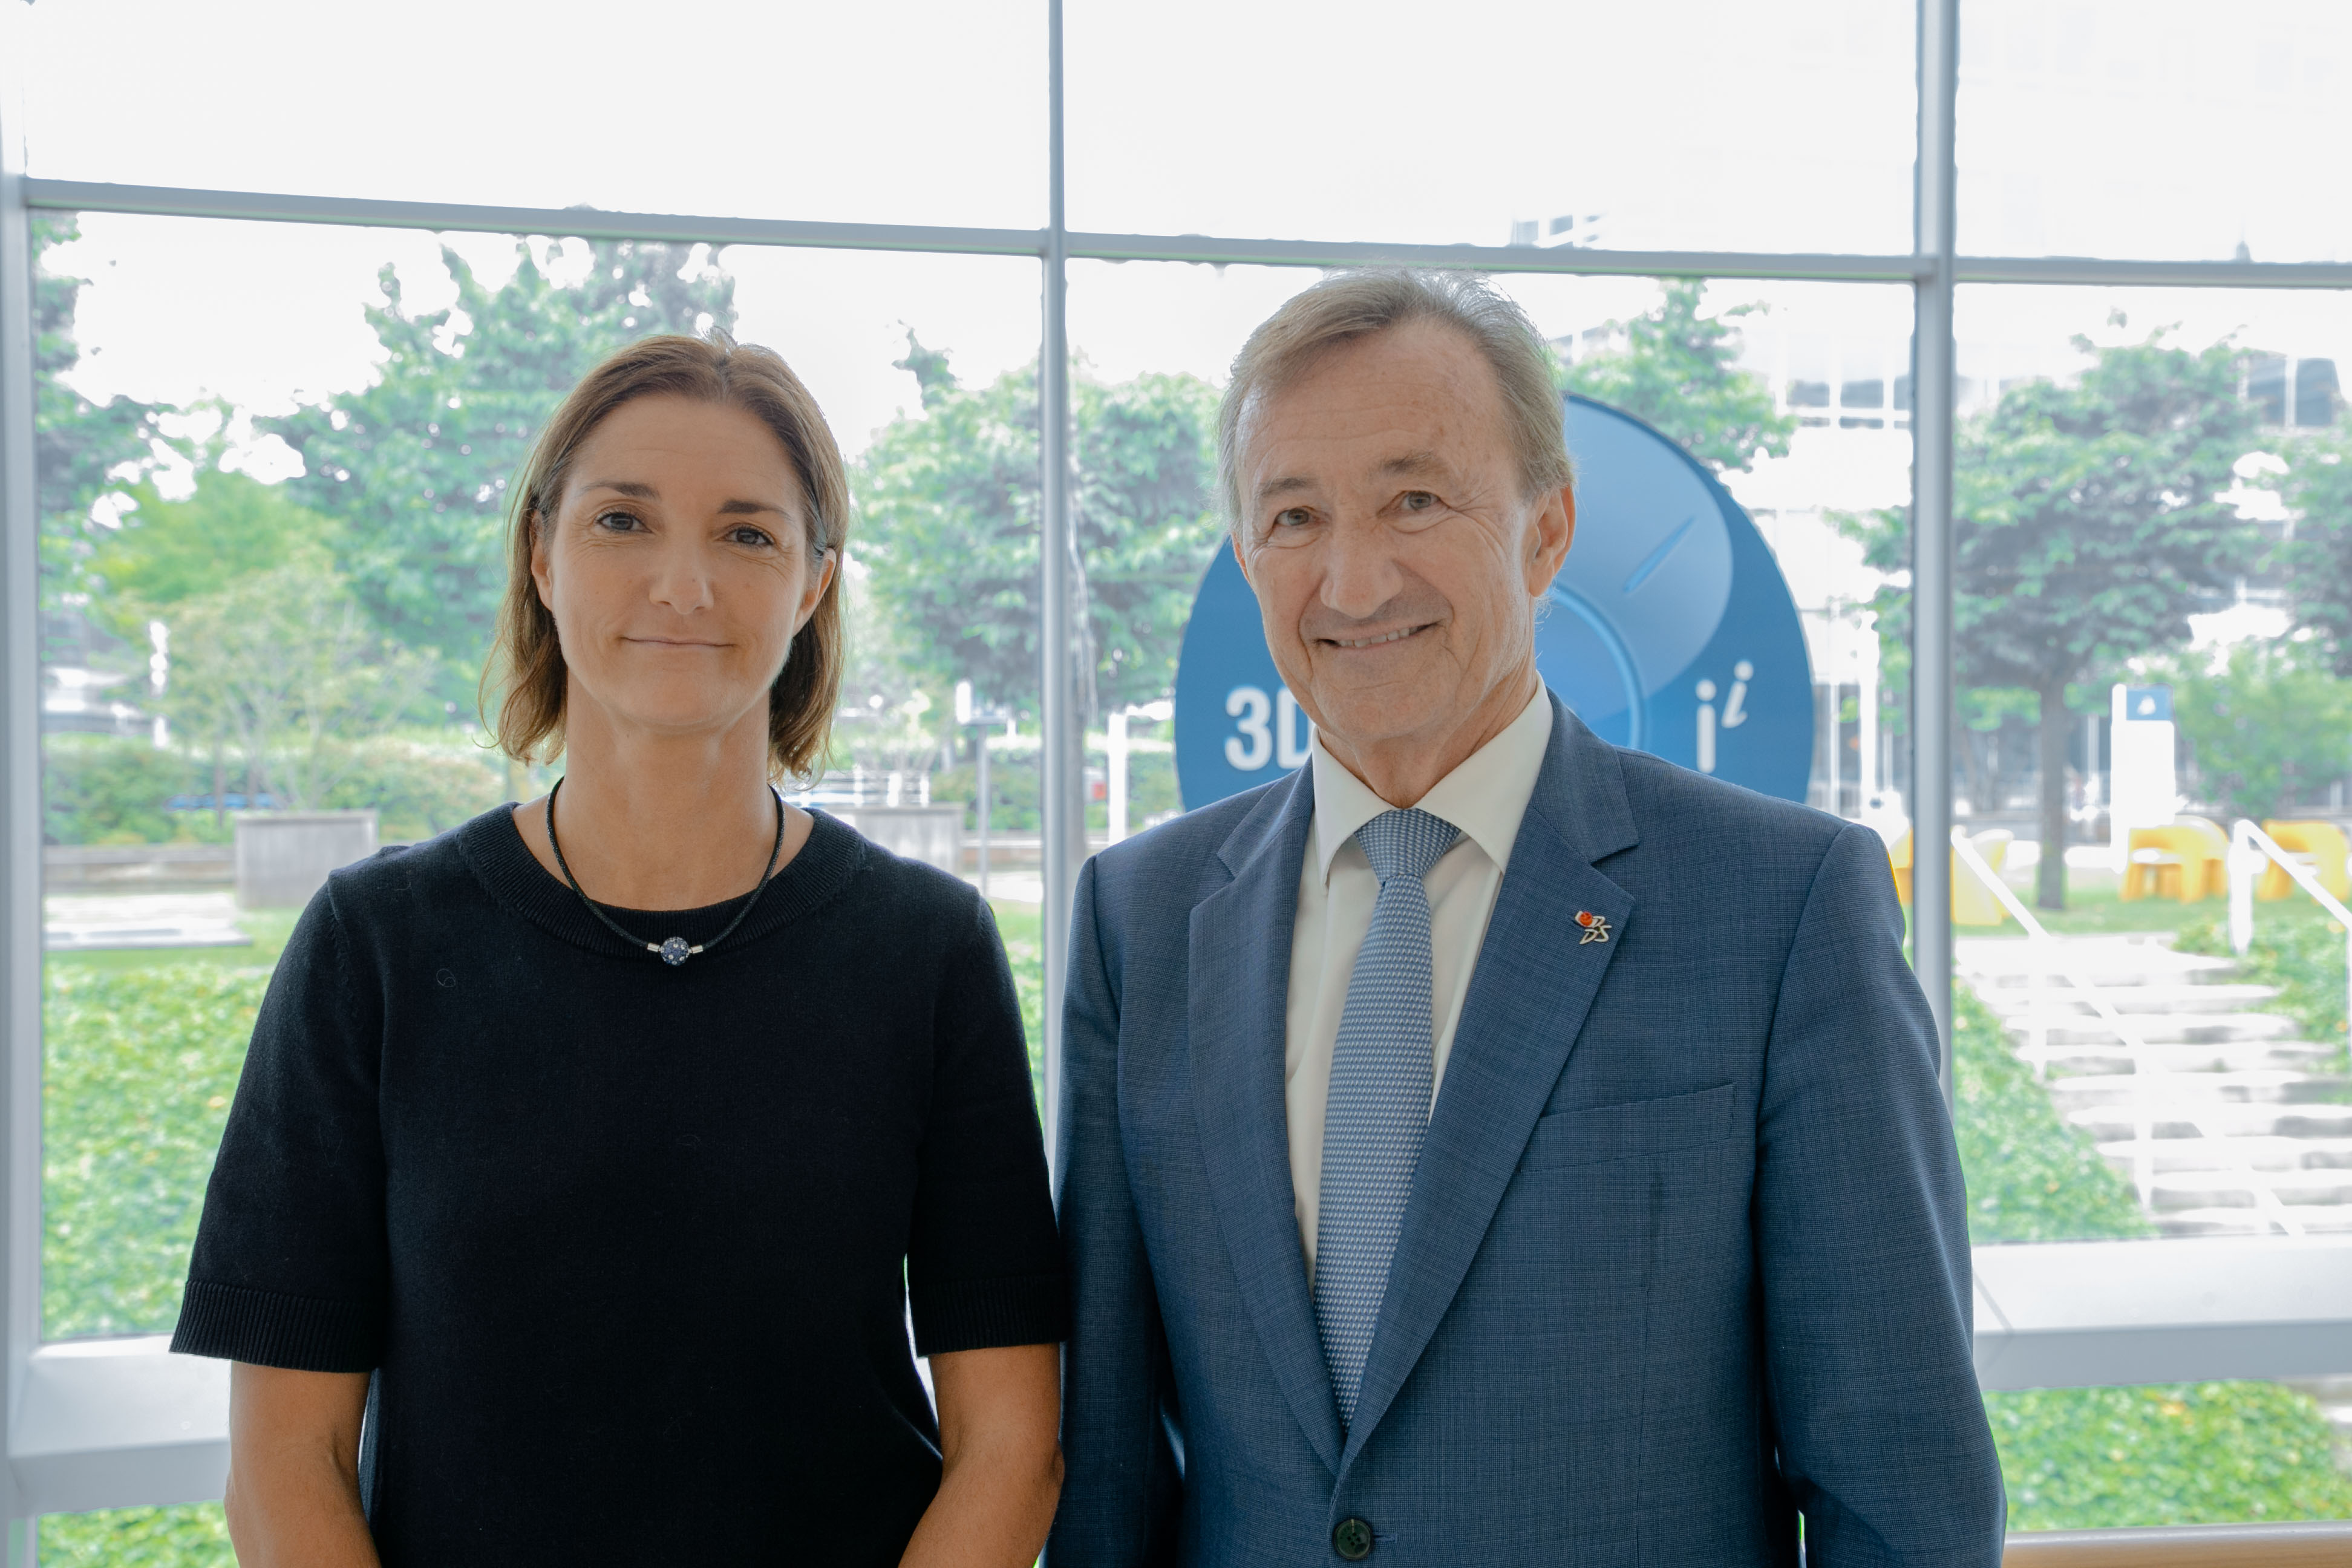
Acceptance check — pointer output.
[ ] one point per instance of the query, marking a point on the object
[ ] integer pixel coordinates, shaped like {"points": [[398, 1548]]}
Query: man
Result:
{"points": [[1487, 1145]]}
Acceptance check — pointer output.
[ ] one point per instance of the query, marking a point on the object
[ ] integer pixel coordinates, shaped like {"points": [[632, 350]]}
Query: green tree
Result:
{"points": [[2268, 723], [2316, 559], [949, 501], [415, 465], [2086, 532], [229, 526], [82, 450], [283, 666], [1677, 370]]}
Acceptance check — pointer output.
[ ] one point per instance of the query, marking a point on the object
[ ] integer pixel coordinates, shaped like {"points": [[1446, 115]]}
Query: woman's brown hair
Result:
{"points": [[527, 669]]}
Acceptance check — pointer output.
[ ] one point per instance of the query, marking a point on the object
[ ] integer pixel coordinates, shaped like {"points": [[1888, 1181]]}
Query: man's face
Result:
{"points": [[1395, 559]]}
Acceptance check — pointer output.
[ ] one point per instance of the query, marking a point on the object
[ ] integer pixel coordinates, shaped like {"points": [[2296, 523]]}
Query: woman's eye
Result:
{"points": [[619, 521], [755, 538]]}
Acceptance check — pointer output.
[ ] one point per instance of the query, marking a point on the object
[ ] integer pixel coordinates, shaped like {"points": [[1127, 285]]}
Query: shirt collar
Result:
{"points": [[1484, 797]]}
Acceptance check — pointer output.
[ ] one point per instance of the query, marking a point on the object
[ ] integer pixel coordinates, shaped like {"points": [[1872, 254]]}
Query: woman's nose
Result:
{"points": [[681, 579]]}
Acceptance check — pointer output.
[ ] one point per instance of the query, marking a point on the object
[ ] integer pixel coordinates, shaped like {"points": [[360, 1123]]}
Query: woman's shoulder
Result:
{"points": [[906, 888], [394, 880]]}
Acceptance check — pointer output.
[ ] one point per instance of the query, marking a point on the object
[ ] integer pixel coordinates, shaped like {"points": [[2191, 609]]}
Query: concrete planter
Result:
{"points": [[283, 857], [928, 833]]}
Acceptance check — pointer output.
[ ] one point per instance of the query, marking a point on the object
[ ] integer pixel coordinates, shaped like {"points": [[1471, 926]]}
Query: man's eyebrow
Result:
{"points": [[1414, 464], [1290, 486]]}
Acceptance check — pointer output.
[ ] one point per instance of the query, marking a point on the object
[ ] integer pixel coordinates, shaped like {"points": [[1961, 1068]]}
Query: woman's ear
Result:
{"points": [[814, 595], [542, 574]]}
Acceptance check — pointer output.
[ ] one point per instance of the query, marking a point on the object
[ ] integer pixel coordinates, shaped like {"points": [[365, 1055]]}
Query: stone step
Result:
{"points": [[2110, 1121], [2229, 1189], [2227, 1056], [1998, 963], [2316, 1220], [2262, 1153], [2073, 1028], [2166, 996], [2170, 1090]]}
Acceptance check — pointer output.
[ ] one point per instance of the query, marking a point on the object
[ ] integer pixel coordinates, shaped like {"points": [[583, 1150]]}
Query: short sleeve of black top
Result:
{"points": [[631, 1248]]}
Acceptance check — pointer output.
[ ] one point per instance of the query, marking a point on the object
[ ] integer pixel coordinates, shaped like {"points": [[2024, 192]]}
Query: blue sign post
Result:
{"points": [[1670, 630]]}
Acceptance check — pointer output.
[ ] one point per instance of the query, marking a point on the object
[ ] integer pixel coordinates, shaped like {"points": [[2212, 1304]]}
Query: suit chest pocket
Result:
{"points": [[1605, 1132]]}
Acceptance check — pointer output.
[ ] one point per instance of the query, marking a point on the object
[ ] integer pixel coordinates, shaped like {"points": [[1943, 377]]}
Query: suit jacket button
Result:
{"points": [[1352, 1539]]}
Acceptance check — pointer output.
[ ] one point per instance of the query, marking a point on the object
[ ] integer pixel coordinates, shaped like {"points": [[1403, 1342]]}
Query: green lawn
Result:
{"points": [[1021, 927]]}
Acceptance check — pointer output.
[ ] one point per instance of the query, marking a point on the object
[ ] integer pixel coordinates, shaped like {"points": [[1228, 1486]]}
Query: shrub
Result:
{"points": [[112, 789], [140, 1065], [2030, 1177], [420, 788], [2198, 1453], [193, 1536]]}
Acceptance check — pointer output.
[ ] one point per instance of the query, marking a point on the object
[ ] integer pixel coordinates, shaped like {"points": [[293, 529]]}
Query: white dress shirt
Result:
{"points": [[1485, 797]]}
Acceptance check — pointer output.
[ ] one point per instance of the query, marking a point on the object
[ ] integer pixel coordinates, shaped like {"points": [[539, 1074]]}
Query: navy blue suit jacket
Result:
{"points": [[1685, 1251]]}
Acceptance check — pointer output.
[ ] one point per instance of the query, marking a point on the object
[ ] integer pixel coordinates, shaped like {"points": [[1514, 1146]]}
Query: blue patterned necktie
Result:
{"points": [[1378, 1111]]}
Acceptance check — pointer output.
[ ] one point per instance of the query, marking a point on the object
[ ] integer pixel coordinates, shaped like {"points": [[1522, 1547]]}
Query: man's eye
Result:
{"points": [[1293, 517], [1417, 501]]}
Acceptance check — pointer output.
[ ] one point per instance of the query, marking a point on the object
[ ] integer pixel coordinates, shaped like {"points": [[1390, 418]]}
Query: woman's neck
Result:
{"points": [[662, 822]]}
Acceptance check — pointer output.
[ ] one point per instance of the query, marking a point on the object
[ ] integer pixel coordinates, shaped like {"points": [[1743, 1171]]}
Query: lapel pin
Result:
{"points": [[1596, 928]]}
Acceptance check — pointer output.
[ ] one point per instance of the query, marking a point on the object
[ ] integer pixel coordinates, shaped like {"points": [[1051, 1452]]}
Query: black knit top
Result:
{"points": [[631, 1248]]}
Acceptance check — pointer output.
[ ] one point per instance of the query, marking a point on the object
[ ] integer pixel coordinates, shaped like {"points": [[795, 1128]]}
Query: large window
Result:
{"points": [[273, 365]]}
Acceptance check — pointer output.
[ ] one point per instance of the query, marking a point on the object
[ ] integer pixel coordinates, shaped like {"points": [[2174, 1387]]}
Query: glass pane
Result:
{"points": [[1499, 122], [924, 113], [272, 505], [2180, 123], [2148, 603]]}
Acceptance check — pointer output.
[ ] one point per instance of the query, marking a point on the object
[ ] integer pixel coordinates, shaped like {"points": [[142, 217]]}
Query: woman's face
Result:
{"points": [[677, 568]]}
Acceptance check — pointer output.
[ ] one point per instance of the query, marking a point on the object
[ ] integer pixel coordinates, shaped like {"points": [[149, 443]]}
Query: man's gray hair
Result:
{"points": [[1351, 305]]}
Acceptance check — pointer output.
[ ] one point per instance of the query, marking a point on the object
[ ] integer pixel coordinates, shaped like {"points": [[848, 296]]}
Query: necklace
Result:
{"points": [[675, 950]]}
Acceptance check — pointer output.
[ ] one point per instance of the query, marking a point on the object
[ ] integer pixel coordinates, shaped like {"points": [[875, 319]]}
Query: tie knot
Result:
{"points": [[1405, 843]]}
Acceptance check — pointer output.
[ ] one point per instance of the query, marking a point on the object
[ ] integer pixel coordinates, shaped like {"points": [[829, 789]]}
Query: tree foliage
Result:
{"points": [[950, 506], [1678, 371], [2087, 531], [282, 667], [2317, 560], [165, 552], [415, 465], [82, 450], [2268, 723]]}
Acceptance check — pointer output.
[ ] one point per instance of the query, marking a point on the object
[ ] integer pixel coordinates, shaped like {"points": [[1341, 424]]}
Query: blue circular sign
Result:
{"points": [[1670, 630]]}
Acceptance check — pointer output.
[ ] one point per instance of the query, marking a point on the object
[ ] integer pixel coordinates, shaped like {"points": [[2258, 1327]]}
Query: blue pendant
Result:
{"points": [[675, 952]]}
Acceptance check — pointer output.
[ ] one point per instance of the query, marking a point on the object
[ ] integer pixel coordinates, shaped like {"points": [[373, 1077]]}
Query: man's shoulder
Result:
{"points": [[1669, 798], [1190, 853], [1695, 829]]}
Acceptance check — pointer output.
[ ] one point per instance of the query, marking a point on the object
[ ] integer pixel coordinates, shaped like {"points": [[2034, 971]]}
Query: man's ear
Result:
{"points": [[1551, 531], [1240, 560]]}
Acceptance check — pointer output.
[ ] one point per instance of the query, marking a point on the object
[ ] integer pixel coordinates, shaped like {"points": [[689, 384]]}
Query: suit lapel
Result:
{"points": [[1534, 981], [1237, 1007]]}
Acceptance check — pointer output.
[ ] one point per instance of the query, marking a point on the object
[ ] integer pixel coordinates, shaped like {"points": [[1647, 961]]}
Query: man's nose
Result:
{"points": [[1359, 571]]}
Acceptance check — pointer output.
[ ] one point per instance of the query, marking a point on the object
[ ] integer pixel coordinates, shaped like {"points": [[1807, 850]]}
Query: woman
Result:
{"points": [[595, 1151]]}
